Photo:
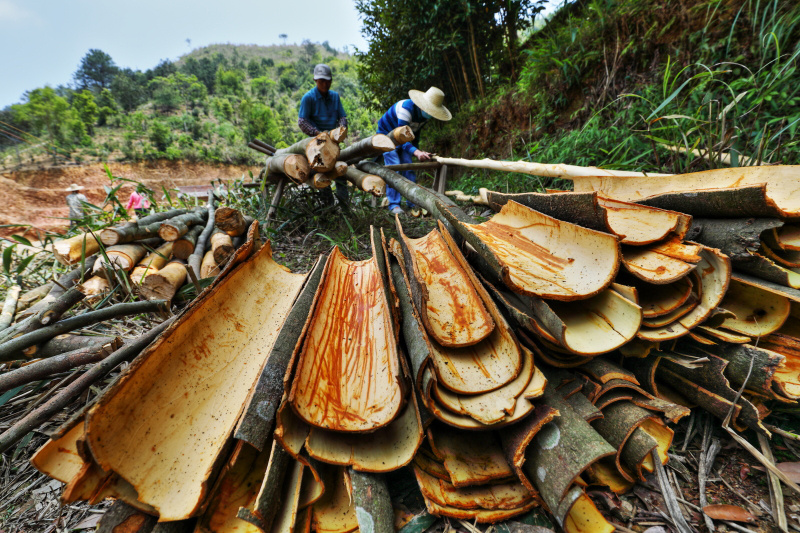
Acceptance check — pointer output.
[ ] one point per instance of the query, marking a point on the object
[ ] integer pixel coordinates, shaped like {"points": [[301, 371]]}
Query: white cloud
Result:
{"points": [[10, 12]]}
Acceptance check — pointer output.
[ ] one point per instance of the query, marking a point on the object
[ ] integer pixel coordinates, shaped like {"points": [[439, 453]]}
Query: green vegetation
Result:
{"points": [[204, 107], [629, 84]]}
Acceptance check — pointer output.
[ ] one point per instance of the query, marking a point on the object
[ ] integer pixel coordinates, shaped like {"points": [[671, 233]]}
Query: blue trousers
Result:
{"points": [[398, 157]]}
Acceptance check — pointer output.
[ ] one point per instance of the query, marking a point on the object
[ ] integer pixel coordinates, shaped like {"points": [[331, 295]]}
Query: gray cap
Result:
{"points": [[322, 72]]}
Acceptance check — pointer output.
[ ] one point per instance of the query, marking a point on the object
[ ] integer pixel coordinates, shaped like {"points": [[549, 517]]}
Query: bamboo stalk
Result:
{"points": [[44, 412], [370, 183], [541, 169]]}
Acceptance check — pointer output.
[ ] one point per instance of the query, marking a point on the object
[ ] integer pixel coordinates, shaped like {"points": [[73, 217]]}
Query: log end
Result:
{"points": [[169, 233]]}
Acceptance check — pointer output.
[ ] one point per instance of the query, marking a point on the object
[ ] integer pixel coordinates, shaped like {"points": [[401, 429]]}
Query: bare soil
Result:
{"points": [[36, 197]]}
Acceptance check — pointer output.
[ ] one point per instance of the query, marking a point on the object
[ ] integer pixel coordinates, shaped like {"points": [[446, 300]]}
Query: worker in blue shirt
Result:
{"points": [[321, 110], [414, 113]]}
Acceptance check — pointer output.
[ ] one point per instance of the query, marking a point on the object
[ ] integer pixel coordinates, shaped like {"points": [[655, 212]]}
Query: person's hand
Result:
{"points": [[422, 156]]}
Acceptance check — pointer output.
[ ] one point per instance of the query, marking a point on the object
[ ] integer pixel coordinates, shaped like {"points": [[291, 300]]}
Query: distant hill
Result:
{"points": [[205, 106]]}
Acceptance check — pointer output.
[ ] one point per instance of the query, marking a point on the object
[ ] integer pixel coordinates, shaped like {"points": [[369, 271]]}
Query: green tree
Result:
{"points": [[84, 105], [45, 111], [107, 107], [96, 70], [129, 88], [160, 135], [229, 82]]}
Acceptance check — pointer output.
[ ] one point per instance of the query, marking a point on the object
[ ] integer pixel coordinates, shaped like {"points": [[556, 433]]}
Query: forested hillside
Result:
{"points": [[205, 106], [616, 83]]}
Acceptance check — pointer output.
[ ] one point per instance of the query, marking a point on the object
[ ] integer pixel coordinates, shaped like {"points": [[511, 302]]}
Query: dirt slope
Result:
{"points": [[36, 197]]}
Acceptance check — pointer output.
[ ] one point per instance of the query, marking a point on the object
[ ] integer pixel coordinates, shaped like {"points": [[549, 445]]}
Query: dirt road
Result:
{"points": [[36, 197]]}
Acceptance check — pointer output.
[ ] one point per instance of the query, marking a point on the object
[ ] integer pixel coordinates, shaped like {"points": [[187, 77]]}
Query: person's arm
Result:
{"points": [[307, 127], [130, 201]]}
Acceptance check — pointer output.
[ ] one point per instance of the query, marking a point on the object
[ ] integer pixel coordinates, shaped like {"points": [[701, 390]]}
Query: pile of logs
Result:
{"points": [[515, 363]]}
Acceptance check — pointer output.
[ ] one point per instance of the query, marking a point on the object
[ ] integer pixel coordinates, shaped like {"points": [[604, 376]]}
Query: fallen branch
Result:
{"points": [[202, 241], [366, 182], [62, 284], [12, 350], [47, 315], [77, 387], [541, 169], [60, 363], [33, 296], [174, 228]]}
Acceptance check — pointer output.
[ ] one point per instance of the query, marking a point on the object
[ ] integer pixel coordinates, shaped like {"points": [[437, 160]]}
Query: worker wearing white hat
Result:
{"points": [[414, 113], [75, 201]]}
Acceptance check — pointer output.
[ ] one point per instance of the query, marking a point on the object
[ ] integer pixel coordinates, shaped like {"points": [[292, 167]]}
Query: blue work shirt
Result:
{"points": [[403, 113], [323, 111]]}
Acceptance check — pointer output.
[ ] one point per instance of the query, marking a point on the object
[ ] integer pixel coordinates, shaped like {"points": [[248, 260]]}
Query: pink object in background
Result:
{"points": [[137, 201]]}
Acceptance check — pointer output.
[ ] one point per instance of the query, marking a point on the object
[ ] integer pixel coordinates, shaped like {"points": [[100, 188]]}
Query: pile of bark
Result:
{"points": [[515, 363]]}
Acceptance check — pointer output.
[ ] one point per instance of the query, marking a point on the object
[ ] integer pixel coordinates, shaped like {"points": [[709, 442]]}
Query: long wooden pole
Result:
{"points": [[558, 170]]}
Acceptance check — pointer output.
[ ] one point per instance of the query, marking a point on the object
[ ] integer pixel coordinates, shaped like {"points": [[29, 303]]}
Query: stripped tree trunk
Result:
{"points": [[401, 135], [374, 145], [293, 166]]}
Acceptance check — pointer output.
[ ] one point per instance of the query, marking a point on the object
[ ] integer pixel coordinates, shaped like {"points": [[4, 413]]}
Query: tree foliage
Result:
{"points": [[462, 46], [95, 71]]}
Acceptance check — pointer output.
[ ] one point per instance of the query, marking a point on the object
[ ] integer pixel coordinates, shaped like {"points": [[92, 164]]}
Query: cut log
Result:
{"points": [[366, 182], [209, 268], [401, 135], [189, 431], [133, 231], [95, 288], [293, 166], [197, 256], [448, 304], [322, 153], [152, 262], [781, 180], [120, 256], [348, 373], [338, 135], [231, 221], [177, 227], [70, 251], [163, 284], [540, 256], [371, 146], [183, 247], [221, 246], [322, 180]]}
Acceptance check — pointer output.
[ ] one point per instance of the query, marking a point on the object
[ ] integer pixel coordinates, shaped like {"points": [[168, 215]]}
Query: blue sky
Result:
{"points": [[43, 41]]}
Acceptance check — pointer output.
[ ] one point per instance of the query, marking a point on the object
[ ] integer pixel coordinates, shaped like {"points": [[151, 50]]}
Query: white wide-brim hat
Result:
{"points": [[430, 101], [74, 187]]}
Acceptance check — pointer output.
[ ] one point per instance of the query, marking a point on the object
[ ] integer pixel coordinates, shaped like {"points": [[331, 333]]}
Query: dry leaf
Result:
{"points": [[733, 513]]}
